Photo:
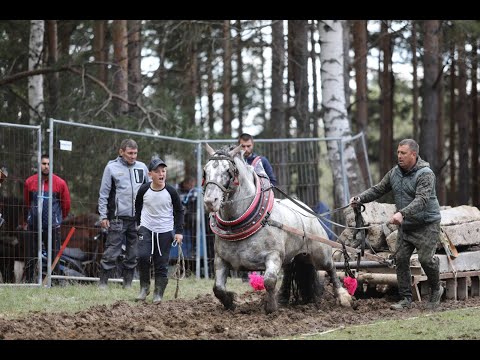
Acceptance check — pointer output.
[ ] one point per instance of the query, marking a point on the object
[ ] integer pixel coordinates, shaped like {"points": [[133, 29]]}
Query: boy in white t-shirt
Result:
{"points": [[159, 215]]}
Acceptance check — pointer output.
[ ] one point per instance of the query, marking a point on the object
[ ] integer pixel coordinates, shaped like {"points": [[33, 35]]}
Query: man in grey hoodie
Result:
{"points": [[418, 216], [121, 180]]}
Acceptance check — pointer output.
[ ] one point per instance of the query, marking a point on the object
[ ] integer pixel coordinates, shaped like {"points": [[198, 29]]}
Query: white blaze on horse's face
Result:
{"points": [[216, 172]]}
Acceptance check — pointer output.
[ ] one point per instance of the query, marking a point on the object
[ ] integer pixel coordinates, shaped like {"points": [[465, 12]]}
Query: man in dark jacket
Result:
{"points": [[246, 140], [35, 198], [418, 216]]}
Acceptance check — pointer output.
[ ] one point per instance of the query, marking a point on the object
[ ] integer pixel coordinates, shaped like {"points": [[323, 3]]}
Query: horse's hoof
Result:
{"points": [[345, 301], [283, 302], [230, 307], [271, 308]]}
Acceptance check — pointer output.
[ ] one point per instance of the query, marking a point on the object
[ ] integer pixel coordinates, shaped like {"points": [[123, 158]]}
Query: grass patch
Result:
{"points": [[18, 301], [460, 324]]}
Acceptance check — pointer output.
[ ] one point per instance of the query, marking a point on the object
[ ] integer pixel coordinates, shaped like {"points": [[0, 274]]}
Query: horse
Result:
{"points": [[243, 216]]}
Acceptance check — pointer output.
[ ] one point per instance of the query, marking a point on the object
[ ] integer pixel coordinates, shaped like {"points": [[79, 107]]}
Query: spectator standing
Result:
{"points": [[257, 161], [188, 197], [122, 177], [322, 209], [35, 198], [159, 215], [246, 140]]}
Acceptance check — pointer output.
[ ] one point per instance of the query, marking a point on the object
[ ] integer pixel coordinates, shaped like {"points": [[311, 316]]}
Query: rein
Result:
{"points": [[321, 216], [179, 270], [359, 227]]}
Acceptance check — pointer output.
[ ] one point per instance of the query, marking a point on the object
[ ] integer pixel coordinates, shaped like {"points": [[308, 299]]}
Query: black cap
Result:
{"points": [[156, 163]]}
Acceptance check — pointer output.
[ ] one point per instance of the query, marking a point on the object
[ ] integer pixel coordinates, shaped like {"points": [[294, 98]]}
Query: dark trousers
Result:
{"points": [[161, 243], [31, 261], [120, 232], [425, 241]]}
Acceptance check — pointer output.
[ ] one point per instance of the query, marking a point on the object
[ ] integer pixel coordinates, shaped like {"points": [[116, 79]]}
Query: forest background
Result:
{"points": [[214, 79]]}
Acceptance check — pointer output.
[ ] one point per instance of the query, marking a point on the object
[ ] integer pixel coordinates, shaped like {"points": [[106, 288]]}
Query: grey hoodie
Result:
{"points": [[120, 183]]}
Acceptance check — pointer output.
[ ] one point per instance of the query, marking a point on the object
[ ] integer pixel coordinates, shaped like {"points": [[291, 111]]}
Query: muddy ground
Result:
{"points": [[205, 318]]}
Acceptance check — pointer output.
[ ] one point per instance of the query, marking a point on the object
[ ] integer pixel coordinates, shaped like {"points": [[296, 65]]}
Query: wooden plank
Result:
{"points": [[451, 292], [462, 288], [475, 287], [466, 261]]}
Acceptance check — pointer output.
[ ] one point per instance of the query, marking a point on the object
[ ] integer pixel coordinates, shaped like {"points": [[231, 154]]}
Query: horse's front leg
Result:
{"points": [[273, 264], [219, 288], [342, 295]]}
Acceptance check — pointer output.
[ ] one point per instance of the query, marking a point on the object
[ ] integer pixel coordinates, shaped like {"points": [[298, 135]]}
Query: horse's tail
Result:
{"points": [[304, 282]]}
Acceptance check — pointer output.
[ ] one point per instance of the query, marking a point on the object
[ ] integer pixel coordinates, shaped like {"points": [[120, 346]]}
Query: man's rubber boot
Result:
{"points": [[144, 272], [435, 297], [127, 278], [104, 275], [405, 303], [160, 285]]}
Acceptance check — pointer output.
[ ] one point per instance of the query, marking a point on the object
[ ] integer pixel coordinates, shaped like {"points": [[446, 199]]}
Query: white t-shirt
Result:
{"points": [[157, 211]]}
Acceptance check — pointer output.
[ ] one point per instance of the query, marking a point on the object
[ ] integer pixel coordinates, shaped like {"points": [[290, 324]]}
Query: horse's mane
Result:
{"points": [[224, 150]]}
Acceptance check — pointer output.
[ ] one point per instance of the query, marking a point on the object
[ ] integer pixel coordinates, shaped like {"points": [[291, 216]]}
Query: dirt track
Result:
{"points": [[205, 318]]}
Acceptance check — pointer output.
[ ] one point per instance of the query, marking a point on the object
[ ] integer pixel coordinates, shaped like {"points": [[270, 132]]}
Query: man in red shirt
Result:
{"points": [[60, 210]]}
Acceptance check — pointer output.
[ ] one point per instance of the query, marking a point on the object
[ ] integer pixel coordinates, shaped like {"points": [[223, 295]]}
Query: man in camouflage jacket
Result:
{"points": [[418, 216]]}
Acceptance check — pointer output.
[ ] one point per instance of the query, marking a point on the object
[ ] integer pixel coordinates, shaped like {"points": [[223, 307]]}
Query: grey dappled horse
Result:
{"points": [[245, 238]]}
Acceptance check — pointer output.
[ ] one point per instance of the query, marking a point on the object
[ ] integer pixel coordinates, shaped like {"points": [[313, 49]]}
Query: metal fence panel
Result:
{"points": [[20, 147], [79, 153]]}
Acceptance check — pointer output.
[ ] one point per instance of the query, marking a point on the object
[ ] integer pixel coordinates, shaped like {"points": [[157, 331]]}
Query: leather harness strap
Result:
{"points": [[252, 220]]}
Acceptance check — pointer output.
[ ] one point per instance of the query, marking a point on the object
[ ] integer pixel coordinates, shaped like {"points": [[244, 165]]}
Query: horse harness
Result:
{"points": [[256, 215]]}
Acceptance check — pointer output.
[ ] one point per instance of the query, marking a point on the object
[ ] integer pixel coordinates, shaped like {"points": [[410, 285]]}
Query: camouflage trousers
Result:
{"points": [[425, 240]]}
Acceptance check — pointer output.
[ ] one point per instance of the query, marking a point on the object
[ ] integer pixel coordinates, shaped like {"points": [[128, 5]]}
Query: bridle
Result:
{"points": [[232, 171]]}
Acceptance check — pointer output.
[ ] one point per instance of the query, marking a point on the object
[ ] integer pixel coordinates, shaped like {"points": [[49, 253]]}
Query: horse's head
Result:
{"points": [[220, 176]]}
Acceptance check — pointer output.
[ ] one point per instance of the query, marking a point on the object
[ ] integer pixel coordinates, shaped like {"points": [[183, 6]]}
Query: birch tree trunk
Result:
{"points": [[335, 111], [35, 83], [474, 144], [415, 81], [462, 118], [277, 118], [240, 82], [452, 199]]}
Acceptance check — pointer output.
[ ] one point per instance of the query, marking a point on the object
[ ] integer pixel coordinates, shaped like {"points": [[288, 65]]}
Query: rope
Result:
{"points": [[317, 215], [346, 257], [179, 269]]}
